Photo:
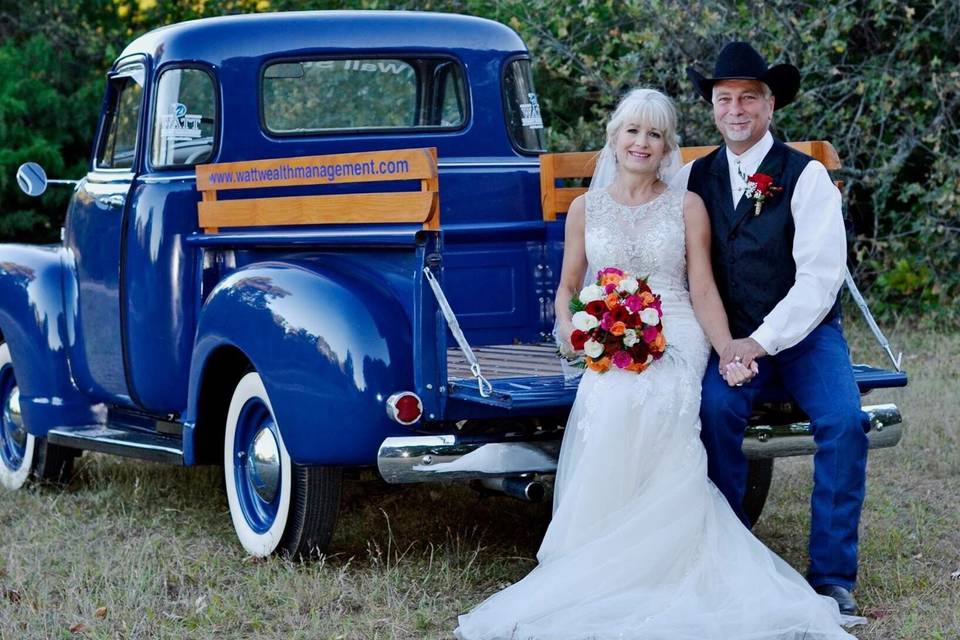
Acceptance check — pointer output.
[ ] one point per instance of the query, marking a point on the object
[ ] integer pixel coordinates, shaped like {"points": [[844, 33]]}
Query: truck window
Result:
{"points": [[522, 108], [367, 94], [185, 118], [118, 143]]}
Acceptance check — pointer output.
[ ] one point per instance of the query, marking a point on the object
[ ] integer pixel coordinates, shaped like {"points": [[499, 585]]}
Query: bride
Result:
{"points": [[642, 545]]}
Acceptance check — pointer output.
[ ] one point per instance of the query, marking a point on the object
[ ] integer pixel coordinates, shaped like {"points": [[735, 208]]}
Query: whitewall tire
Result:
{"points": [[259, 500]]}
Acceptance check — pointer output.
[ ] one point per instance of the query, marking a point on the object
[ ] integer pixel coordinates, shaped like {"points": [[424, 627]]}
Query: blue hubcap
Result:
{"points": [[257, 465], [13, 436]]}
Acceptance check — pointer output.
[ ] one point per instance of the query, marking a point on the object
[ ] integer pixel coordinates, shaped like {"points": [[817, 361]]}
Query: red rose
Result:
{"points": [[611, 345], [640, 351], [619, 314], [578, 338], [596, 308], [762, 180]]}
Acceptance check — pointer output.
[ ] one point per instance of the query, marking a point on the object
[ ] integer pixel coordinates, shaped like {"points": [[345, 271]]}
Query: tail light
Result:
{"points": [[404, 407]]}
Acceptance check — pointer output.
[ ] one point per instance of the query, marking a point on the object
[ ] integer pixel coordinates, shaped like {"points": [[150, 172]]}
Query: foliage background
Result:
{"points": [[881, 81]]}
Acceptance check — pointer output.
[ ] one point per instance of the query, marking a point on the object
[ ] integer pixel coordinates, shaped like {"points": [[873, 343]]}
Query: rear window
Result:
{"points": [[364, 94], [522, 106]]}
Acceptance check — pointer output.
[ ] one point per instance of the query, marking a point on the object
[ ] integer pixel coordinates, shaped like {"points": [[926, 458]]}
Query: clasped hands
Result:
{"points": [[738, 361]]}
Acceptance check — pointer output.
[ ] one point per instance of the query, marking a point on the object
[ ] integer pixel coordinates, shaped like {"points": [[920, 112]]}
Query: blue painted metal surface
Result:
{"points": [[12, 437], [259, 511], [331, 339], [34, 324], [161, 293]]}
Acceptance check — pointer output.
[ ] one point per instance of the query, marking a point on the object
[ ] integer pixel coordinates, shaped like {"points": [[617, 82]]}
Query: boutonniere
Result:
{"points": [[760, 187]]}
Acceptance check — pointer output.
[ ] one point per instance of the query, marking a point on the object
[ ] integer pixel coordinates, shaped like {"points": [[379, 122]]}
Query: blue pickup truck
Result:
{"points": [[311, 243]]}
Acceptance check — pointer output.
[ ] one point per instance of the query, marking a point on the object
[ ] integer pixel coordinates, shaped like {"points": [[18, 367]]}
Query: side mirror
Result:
{"points": [[32, 179]]}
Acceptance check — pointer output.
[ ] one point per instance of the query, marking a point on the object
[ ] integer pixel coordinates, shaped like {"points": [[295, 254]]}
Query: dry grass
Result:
{"points": [[137, 550]]}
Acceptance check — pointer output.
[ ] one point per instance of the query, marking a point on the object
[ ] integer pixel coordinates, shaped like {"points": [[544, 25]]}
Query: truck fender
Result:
{"points": [[330, 347], [35, 326]]}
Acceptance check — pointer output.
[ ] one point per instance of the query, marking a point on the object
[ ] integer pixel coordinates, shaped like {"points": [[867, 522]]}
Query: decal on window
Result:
{"points": [[531, 113], [178, 124]]}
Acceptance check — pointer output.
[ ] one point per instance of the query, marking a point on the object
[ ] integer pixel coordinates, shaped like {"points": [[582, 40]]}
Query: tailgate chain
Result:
{"points": [[483, 385]]}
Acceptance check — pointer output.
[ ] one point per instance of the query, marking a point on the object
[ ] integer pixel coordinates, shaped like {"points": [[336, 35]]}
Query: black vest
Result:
{"points": [[752, 255]]}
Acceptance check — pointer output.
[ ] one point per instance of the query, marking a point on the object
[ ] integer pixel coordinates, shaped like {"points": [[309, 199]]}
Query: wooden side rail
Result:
{"points": [[421, 206], [580, 164]]}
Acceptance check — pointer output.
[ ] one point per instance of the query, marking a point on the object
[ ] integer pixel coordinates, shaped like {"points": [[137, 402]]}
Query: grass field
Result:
{"points": [[138, 550]]}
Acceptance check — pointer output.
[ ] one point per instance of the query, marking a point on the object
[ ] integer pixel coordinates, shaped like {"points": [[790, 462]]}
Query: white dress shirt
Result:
{"points": [[819, 247]]}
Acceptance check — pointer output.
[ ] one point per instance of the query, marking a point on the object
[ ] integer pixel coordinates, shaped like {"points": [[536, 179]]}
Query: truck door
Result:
{"points": [[93, 233]]}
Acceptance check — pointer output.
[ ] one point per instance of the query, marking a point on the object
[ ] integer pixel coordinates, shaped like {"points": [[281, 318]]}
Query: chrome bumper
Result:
{"points": [[442, 458]]}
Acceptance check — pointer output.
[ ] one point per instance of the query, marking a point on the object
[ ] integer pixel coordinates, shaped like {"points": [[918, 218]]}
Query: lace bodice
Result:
{"points": [[648, 240]]}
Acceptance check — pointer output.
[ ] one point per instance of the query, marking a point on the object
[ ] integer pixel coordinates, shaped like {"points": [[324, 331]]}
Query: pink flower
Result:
{"points": [[610, 288], [607, 321], [613, 271], [622, 359], [650, 334], [633, 303]]}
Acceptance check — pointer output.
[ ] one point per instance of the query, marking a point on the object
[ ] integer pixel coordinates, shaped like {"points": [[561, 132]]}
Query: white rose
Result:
{"points": [[584, 321], [630, 337], [628, 285], [591, 292], [593, 348], [649, 316]]}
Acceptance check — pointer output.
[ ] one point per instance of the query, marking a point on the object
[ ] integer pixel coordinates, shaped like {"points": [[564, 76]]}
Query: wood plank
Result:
{"points": [[548, 194], [432, 185], [209, 196], [580, 164], [412, 206], [577, 164], [817, 149], [566, 195], [371, 166]]}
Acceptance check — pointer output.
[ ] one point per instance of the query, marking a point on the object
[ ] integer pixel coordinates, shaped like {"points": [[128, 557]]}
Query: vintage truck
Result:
{"points": [[307, 244]]}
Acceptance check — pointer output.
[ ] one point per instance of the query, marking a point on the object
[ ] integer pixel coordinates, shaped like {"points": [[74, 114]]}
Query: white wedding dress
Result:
{"points": [[642, 545]]}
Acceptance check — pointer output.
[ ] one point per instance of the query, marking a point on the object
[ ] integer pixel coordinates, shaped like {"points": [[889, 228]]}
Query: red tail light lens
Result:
{"points": [[404, 407]]}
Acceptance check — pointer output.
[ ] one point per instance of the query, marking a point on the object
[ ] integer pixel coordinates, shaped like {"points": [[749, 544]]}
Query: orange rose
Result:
{"points": [[646, 298], [659, 343], [617, 328], [612, 300], [610, 278], [600, 365], [637, 366]]}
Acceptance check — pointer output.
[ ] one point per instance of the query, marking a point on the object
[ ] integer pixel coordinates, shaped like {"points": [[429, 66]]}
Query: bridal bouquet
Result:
{"points": [[616, 323]]}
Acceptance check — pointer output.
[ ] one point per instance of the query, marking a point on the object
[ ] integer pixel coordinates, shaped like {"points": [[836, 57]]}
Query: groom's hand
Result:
{"points": [[744, 350]]}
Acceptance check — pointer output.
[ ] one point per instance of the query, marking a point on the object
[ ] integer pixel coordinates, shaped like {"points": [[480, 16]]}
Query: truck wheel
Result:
{"points": [[22, 452], [759, 475], [275, 506]]}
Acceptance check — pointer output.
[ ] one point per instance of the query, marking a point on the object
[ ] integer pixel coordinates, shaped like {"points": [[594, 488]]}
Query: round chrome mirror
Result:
{"points": [[32, 179]]}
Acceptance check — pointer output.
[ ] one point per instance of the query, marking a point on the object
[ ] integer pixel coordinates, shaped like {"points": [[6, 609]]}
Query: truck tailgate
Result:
{"points": [[522, 376], [527, 376]]}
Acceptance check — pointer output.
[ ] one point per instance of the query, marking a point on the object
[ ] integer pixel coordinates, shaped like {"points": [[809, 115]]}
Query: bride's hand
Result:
{"points": [[736, 374], [564, 331]]}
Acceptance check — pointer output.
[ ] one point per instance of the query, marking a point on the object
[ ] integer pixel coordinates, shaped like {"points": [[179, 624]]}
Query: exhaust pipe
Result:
{"points": [[519, 488]]}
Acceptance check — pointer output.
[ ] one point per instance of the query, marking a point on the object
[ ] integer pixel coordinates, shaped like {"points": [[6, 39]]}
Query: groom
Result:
{"points": [[779, 264]]}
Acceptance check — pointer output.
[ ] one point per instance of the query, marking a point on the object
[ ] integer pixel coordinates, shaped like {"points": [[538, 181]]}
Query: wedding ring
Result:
{"points": [[739, 384]]}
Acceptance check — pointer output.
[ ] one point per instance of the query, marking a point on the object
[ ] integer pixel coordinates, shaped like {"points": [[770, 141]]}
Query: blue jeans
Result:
{"points": [[817, 374]]}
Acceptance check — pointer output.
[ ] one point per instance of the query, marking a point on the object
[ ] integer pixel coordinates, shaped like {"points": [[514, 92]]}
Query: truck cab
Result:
{"points": [[306, 243]]}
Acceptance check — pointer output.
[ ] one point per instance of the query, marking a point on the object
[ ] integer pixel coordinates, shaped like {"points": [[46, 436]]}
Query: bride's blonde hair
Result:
{"points": [[646, 106]]}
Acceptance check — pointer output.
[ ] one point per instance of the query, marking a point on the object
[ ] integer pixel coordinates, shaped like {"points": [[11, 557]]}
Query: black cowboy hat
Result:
{"points": [[740, 61]]}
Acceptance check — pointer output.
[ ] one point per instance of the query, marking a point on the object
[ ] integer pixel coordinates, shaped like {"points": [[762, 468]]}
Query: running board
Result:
{"points": [[132, 443]]}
